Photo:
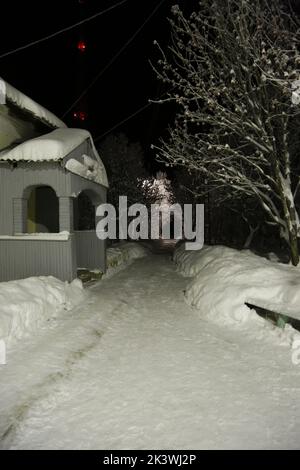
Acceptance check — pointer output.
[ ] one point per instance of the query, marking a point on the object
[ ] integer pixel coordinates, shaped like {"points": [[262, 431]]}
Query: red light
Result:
{"points": [[80, 115], [81, 46]]}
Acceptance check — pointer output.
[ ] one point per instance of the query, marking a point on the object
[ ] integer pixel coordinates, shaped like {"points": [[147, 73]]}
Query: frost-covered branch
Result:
{"points": [[233, 71]]}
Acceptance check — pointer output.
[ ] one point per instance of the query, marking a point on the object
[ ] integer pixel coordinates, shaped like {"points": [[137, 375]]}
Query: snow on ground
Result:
{"points": [[226, 279], [135, 367], [27, 304]]}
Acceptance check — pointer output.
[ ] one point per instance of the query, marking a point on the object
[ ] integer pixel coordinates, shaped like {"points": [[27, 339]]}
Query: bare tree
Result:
{"points": [[233, 70]]}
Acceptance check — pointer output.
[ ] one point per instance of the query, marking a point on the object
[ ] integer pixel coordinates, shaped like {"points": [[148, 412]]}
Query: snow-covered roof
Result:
{"points": [[55, 146], [21, 141], [25, 103]]}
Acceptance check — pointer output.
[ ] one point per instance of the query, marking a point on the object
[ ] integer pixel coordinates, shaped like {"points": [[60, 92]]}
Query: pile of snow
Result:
{"points": [[89, 168], [27, 303], [190, 263], [226, 279], [121, 254]]}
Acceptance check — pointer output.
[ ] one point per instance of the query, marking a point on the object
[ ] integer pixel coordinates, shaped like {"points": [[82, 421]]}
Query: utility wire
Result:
{"points": [[115, 57], [156, 101], [68, 28], [123, 121]]}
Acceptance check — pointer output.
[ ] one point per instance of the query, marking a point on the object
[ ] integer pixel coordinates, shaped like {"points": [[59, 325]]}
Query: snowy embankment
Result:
{"points": [[26, 304], [122, 254], [225, 280]]}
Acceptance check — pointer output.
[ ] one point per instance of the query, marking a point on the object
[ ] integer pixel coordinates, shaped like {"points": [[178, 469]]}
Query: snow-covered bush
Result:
{"points": [[27, 303]]}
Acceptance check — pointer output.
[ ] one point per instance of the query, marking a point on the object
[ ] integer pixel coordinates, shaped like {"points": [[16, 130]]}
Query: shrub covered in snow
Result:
{"points": [[27, 303]]}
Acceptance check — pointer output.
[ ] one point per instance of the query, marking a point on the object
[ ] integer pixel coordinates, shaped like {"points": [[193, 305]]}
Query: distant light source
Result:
{"points": [[81, 45], [80, 115]]}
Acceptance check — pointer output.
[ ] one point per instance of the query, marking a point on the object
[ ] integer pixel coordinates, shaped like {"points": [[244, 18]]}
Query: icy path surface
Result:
{"points": [[136, 368]]}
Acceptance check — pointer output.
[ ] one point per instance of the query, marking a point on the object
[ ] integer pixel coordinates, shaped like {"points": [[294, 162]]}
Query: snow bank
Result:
{"points": [[27, 303], [226, 279], [190, 263], [121, 254]]}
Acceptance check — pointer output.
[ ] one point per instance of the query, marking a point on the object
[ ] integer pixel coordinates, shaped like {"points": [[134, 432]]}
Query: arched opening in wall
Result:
{"points": [[43, 210], [84, 212]]}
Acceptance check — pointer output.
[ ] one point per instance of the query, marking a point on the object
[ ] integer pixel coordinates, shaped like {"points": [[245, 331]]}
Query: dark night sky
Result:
{"points": [[54, 73]]}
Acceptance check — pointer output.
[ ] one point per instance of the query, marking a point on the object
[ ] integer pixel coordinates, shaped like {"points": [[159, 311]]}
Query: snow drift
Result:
{"points": [[121, 254], [226, 279], [26, 304]]}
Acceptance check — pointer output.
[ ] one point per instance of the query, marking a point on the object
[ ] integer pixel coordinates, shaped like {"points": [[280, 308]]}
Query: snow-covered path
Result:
{"points": [[136, 368]]}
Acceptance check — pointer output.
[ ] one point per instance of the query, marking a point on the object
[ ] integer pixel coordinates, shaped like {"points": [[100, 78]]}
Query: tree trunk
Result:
{"points": [[249, 240], [290, 216], [292, 227], [294, 249]]}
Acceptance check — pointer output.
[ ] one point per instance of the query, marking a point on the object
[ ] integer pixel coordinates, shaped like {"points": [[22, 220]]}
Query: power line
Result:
{"points": [[68, 28], [115, 57], [122, 122], [157, 101]]}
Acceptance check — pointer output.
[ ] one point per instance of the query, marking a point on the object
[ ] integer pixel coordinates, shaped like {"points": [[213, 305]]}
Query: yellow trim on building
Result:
{"points": [[31, 217]]}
